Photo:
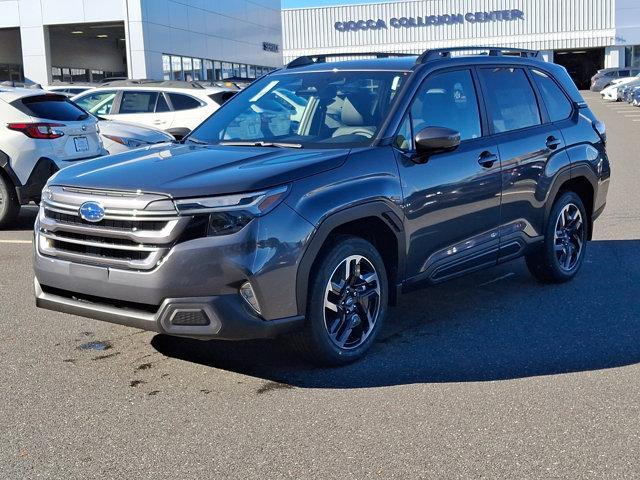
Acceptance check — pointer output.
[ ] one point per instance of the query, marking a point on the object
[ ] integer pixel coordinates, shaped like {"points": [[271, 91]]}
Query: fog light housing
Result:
{"points": [[249, 296]]}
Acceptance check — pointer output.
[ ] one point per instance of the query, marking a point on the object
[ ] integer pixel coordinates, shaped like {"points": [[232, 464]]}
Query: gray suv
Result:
{"points": [[314, 197]]}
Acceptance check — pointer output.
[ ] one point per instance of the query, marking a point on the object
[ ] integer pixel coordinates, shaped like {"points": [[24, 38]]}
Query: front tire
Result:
{"points": [[347, 303], [562, 253], [9, 205]]}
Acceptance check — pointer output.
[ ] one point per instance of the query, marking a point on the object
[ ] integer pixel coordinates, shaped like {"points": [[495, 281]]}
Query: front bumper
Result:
{"points": [[221, 317]]}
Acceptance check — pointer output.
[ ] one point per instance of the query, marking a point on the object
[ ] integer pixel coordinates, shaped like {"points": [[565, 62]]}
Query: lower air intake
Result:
{"points": [[189, 318]]}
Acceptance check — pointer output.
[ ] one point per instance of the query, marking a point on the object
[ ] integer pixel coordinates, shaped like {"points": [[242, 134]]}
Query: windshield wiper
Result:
{"points": [[261, 144]]}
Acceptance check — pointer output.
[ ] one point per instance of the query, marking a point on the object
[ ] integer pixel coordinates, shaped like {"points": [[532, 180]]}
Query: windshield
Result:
{"points": [[312, 109]]}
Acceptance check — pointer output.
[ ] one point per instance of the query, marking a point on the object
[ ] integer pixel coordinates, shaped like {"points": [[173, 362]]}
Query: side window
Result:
{"points": [[162, 105], [98, 103], [557, 103], [183, 102], [404, 138], [623, 73], [138, 102], [448, 100], [510, 99]]}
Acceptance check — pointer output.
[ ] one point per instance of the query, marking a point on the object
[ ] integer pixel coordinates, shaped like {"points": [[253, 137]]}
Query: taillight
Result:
{"points": [[43, 131]]}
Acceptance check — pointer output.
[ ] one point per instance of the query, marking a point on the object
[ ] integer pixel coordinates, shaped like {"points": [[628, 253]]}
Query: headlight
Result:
{"points": [[127, 142], [230, 213]]}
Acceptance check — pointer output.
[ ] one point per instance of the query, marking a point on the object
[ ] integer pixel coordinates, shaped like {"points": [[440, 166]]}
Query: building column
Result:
{"points": [[547, 55], [36, 55], [614, 57]]}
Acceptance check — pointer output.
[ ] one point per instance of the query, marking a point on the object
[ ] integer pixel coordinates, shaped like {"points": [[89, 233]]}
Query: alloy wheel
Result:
{"points": [[352, 302], [569, 237]]}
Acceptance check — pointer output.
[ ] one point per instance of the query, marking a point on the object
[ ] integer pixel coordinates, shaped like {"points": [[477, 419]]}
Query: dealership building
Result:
{"points": [[582, 35], [87, 40]]}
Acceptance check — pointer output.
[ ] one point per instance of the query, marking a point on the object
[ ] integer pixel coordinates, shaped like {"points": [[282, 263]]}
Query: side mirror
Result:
{"points": [[432, 140]]}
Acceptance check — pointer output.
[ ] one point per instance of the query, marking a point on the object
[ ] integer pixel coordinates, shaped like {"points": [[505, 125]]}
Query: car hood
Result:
{"points": [[182, 171]]}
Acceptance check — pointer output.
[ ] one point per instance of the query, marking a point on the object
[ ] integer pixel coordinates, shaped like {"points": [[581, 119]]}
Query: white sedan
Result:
{"points": [[611, 93], [122, 136]]}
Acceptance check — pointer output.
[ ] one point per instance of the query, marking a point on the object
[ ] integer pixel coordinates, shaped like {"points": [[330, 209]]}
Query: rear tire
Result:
{"points": [[9, 205], [560, 257], [347, 303]]}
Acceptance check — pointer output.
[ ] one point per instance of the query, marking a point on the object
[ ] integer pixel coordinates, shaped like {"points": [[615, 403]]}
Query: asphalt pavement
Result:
{"points": [[489, 376]]}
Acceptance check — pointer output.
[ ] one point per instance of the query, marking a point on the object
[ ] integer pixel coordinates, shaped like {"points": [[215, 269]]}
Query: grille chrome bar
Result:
{"points": [[136, 232]]}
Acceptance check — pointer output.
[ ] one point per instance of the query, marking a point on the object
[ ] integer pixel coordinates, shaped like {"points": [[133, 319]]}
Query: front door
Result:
{"points": [[145, 107], [451, 200]]}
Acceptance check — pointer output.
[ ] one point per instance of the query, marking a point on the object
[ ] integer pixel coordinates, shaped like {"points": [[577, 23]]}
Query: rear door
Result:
{"points": [[532, 152], [188, 111], [451, 200], [146, 107]]}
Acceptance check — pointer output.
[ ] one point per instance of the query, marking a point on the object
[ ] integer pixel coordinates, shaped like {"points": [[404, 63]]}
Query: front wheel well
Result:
{"points": [[583, 188], [380, 235]]}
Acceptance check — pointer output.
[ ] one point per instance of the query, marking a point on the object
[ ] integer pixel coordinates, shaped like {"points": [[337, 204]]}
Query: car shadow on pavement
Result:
{"points": [[493, 325], [26, 218]]}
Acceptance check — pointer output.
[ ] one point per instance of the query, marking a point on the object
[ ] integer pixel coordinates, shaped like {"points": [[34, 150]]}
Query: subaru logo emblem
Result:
{"points": [[91, 211]]}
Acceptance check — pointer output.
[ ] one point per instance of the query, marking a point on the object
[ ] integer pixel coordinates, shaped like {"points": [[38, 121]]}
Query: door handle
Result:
{"points": [[487, 159], [553, 143]]}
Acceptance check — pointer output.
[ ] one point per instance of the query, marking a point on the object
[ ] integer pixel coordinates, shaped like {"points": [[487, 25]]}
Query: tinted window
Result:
{"points": [[510, 99], [221, 97], [558, 106], [623, 73], [138, 102], [162, 105], [447, 100], [76, 91], [98, 103], [50, 107], [183, 102]]}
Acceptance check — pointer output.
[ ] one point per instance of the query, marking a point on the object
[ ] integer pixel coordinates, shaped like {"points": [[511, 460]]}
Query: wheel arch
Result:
{"points": [[7, 171], [375, 222]]}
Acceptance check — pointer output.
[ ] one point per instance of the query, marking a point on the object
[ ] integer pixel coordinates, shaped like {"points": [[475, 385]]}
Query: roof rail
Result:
{"points": [[322, 58], [150, 82], [130, 82], [437, 53]]}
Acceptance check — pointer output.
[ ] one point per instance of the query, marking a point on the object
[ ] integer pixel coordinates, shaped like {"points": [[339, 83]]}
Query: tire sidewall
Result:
{"points": [[549, 240], [8, 207], [341, 249]]}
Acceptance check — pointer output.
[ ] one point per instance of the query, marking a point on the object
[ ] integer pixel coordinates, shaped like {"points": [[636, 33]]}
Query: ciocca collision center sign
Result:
{"points": [[431, 20]]}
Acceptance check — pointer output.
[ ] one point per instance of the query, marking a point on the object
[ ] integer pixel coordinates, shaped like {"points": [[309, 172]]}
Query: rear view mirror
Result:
{"points": [[432, 140]]}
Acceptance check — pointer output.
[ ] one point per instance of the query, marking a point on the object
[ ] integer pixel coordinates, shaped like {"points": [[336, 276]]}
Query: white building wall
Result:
{"points": [[232, 31], [546, 25]]}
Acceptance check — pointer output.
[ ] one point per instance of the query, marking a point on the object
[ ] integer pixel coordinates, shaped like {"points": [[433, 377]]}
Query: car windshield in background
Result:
{"points": [[308, 109], [50, 107]]}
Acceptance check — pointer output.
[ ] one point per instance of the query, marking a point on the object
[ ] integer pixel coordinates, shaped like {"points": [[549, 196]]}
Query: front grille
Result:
{"points": [[132, 235]]}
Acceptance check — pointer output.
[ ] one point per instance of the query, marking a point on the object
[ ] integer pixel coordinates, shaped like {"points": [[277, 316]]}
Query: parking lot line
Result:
{"points": [[25, 242]]}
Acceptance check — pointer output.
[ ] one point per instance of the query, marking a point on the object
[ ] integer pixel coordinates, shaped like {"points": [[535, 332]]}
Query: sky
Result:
{"points": [[323, 3]]}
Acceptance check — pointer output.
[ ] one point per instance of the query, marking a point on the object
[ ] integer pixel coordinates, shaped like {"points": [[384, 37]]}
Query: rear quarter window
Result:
{"points": [[50, 107], [183, 102], [558, 105], [221, 97]]}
